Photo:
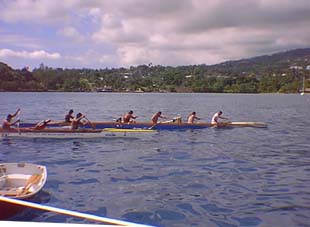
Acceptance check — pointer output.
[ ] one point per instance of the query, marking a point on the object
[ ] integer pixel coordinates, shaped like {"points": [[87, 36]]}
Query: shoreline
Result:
{"points": [[133, 92]]}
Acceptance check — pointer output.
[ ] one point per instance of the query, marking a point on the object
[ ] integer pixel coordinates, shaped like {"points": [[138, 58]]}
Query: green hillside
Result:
{"points": [[279, 72]]}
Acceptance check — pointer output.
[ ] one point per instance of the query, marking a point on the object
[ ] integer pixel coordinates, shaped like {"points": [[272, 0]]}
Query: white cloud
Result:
{"points": [[38, 54], [25, 10], [71, 32], [116, 31], [200, 31], [173, 32], [92, 58], [95, 14], [19, 41], [46, 11]]}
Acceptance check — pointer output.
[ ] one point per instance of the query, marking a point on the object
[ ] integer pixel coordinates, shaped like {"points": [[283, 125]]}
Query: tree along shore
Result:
{"points": [[281, 72]]}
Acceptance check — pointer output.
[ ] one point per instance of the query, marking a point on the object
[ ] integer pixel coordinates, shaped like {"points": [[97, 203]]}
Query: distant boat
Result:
{"points": [[19, 181], [139, 90], [105, 89]]}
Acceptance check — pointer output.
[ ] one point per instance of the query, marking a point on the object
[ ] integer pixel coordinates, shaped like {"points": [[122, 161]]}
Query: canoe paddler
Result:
{"points": [[156, 116], [216, 117], [42, 124], [7, 122], [77, 121], [192, 117], [127, 117], [69, 116]]}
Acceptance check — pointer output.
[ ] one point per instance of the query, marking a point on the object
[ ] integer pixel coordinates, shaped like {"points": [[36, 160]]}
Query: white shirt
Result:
{"points": [[215, 118]]}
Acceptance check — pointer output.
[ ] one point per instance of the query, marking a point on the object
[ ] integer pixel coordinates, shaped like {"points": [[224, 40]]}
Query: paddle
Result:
{"points": [[174, 120], [177, 119], [34, 179], [18, 121], [214, 126], [221, 124], [18, 128], [150, 128], [91, 125]]}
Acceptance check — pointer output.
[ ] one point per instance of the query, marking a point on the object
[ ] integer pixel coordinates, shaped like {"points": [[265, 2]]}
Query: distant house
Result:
{"points": [[139, 90], [105, 89]]}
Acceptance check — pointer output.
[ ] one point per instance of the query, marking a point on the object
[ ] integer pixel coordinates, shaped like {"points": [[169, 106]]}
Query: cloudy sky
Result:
{"points": [[124, 33]]}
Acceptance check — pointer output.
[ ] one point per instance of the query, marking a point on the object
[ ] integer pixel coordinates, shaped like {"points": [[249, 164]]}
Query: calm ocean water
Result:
{"points": [[208, 177]]}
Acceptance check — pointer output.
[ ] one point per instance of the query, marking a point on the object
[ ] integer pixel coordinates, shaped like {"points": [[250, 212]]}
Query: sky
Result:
{"points": [[122, 33]]}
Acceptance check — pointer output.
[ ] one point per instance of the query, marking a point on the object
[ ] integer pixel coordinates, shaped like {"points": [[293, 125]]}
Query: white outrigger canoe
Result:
{"points": [[19, 181], [165, 125], [70, 134]]}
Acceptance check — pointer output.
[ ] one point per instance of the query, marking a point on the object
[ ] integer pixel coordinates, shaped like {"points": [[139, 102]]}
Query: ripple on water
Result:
{"points": [[209, 177], [213, 208], [84, 181], [188, 207], [248, 221]]}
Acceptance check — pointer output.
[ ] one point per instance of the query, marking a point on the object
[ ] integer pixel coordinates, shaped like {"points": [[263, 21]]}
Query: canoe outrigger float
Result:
{"points": [[159, 126], [80, 133]]}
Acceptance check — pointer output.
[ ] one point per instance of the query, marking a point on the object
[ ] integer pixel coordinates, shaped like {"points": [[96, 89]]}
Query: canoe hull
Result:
{"points": [[159, 126], [141, 125], [71, 134], [19, 181]]}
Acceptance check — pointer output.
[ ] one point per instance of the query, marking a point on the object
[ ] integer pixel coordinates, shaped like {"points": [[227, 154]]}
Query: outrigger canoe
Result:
{"points": [[65, 133], [19, 181], [159, 126]]}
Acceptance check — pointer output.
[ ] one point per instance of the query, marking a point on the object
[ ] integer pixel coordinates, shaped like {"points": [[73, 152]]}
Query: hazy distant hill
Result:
{"points": [[267, 73], [297, 55], [278, 62]]}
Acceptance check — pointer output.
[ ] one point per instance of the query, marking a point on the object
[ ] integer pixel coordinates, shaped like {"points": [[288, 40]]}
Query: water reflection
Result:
{"points": [[7, 141], [29, 214], [209, 177]]}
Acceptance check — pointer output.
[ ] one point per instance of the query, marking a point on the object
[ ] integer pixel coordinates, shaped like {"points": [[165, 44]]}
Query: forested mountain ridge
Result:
{"points": [[277, 62], [279, 72]]}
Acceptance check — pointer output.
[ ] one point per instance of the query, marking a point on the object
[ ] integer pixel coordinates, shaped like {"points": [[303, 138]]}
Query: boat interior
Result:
{"points": [[18, 181]]}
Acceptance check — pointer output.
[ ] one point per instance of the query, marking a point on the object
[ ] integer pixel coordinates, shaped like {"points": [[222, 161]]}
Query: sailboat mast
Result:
{"points": [[303, 84]]}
